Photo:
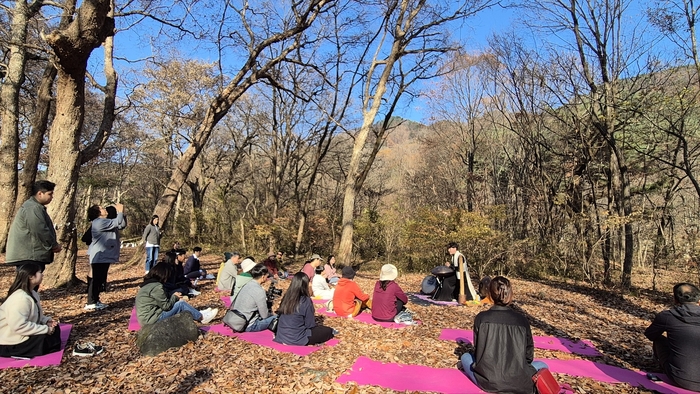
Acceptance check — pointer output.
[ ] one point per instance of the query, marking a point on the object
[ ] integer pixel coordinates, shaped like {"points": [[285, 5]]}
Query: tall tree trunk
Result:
{"points": [[35, 142], [72, 47], [9, 126]]}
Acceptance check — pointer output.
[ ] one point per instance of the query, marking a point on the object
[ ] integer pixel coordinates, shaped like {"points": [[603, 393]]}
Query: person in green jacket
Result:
{"points": [[153, 304], [32, 237]]}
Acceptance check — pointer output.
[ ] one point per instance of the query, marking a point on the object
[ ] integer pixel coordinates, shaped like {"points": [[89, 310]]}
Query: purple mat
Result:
{"points": [[227, 301], [41, 361], [427, 298], [264, 338], [403, 377], [611, 374], [582, 347], [365, 317]]}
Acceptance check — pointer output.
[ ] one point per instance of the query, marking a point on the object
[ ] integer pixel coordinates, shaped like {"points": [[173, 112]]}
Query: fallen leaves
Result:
{"points": [[219, 364]]}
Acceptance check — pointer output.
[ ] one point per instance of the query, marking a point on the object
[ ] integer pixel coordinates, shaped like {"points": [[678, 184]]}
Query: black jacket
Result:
{"points": [[503, 351], [682, 326]]}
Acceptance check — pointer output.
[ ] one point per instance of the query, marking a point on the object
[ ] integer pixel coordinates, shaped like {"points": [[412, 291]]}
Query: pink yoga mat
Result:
{"points": [[366, 318], [227, 301], [41, 361], [134, 321], [264, 338], [611, 374], [583, 347], [403, 377]]}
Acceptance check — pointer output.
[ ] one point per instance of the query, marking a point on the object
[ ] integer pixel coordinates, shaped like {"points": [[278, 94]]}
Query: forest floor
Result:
{"points": [[221, 364]]}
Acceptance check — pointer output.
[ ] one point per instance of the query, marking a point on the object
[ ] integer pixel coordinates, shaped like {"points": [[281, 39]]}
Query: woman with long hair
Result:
{"points": [[24, 329], [501, 333], [153, 303], [296, 324]]}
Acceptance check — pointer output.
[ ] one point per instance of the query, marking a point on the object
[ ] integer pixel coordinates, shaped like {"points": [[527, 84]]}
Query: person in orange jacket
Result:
{"points": [[348, 299]]}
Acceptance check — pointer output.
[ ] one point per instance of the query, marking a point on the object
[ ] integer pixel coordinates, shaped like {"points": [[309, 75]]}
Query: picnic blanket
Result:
{"points": [[581, 347], [366, 318], [264, 338], [41, 361]]}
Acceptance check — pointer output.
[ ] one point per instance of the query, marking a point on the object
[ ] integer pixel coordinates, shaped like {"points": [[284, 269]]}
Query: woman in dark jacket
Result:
{"points": [[503, 348], [296, 325]]}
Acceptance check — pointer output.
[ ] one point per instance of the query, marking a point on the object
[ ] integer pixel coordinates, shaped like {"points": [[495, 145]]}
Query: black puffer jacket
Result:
{"points": [[682, 326], [503, 351]]}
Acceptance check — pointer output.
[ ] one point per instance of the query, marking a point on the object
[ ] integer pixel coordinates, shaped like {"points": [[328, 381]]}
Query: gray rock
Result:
{"points": [[174, 331]]}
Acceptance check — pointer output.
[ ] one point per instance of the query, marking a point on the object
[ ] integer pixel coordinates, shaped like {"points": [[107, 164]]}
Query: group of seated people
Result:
{"points": [[500, 333]]}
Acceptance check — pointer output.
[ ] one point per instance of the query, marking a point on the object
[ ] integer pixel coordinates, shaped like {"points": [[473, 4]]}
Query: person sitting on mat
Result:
{"points": [[348, 299], [296, 325], [320, 286], [502, 334], [677, 351], [329, 271], [388, 300], [153, 304], [249, 309], [24, 330]]}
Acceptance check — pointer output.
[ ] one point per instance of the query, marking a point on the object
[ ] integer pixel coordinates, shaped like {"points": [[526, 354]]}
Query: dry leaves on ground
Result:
{"points": [[219, 364]]}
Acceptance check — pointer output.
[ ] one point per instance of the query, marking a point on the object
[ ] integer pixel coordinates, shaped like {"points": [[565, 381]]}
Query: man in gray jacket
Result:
{"points": [[249, 311], [32, 236]]}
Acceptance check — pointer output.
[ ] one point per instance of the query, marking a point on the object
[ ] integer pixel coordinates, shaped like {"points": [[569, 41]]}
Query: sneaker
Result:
{"points": [[194, 292], [87, 349], [209, 276], [100, 306], [208, 315], [90, 307]]}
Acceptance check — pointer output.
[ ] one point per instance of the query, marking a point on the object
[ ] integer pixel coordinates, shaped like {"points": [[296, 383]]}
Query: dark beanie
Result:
{"points": [[348, 272]]}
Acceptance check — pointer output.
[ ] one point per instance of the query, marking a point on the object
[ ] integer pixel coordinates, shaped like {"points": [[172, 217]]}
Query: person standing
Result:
{"points": [[455, 260], [103, 251], [677, 351], [151, 236], [32, 236]]}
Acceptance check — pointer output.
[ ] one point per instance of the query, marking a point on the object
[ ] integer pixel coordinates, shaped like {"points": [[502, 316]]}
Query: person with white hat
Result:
{"points": [[388, 299], [244, 277]]}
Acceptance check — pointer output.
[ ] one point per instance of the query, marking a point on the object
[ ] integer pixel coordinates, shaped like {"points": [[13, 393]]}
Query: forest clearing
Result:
{"points": [[220, 364]]}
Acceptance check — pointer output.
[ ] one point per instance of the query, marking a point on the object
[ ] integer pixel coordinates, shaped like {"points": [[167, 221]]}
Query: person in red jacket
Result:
{"points": [[348, 299], [388, 298]]}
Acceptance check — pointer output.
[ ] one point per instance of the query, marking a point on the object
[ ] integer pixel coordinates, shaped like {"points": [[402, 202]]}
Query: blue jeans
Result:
{"points": [[151, 256], [181, 306], [468, 359], [260, 324]]}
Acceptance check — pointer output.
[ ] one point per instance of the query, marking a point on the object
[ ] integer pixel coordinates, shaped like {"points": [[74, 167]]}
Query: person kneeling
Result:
{"points": [[296, 324], [502, 334], [24, 330], [153, 304], [249, 311]]}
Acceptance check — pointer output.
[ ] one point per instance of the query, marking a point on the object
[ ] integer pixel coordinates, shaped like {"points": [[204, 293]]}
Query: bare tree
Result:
{"points": [[406, 47]]}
